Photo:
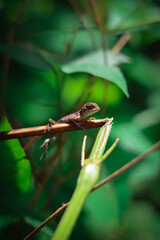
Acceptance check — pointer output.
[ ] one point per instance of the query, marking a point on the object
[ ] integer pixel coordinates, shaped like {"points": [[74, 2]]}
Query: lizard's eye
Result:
{"points": [[89, 107]]}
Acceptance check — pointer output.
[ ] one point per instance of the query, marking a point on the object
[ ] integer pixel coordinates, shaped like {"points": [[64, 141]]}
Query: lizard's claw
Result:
{"points": [[48, 127], [45, 143]]}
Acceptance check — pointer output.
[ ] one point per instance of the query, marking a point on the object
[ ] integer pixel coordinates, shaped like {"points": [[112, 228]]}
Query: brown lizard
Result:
{"points": [[85, 111]]}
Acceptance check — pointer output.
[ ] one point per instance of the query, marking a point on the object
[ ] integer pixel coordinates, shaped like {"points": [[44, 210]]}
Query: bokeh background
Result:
{"points": [[56, 56]]}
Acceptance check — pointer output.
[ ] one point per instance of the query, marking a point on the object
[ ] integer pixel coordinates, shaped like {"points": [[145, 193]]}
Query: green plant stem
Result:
{"points": [[87, 179]]}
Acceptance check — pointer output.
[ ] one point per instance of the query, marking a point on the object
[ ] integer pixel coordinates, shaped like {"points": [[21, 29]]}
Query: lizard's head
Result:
{"points": [[88, 109]]}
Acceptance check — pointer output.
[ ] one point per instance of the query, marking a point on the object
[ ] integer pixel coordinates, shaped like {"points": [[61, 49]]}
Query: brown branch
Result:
{"points": [[57, 128], [121, 43], [56, 213], [109, 178], [128, 165]]}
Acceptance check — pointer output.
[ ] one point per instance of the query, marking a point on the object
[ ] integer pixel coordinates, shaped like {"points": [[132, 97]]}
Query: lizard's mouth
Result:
{"points": [[91, 112]]}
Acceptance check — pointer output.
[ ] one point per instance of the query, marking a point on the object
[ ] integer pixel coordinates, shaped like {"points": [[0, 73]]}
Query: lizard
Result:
{"points": [[86, 110]]}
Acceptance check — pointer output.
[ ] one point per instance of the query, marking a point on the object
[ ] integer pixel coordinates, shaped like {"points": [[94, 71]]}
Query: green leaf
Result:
{"points": [[15, 168], [34, 58], [94, 64], [97, 58]]}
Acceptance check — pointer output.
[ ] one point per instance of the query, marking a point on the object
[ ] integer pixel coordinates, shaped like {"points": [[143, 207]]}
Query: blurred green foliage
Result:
{"points": [[52, 62]]}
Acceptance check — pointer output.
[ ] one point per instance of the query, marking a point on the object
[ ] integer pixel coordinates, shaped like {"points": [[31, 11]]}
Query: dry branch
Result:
{"points": [[57, 128]]}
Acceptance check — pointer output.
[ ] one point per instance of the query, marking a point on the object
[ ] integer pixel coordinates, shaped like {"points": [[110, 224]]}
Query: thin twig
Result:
{"points": [[57, 128], [56, 213], [101, 28], [121, 43], [128, 166], [109, 178], [30, 142]]}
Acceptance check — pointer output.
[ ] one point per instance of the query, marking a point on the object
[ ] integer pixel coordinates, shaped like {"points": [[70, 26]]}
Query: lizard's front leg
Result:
{"points": [[46, 141], [51, 121], [49, 125]]}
